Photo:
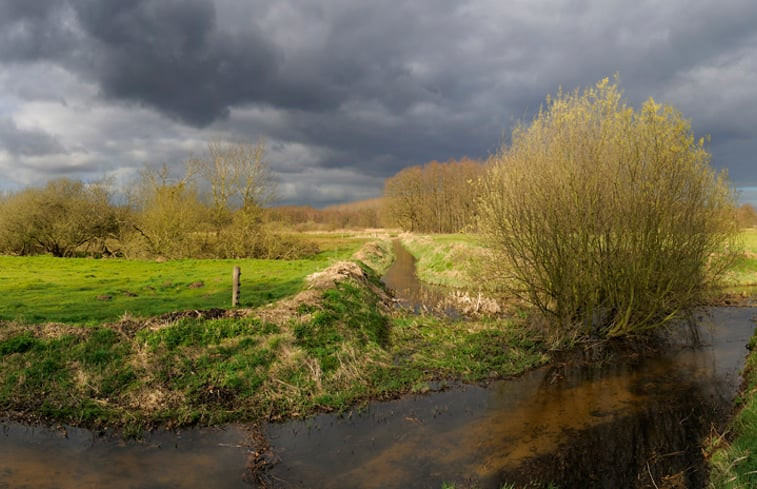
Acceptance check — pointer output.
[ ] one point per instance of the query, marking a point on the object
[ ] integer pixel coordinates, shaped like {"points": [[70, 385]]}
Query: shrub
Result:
{"points": [[607, 219]]}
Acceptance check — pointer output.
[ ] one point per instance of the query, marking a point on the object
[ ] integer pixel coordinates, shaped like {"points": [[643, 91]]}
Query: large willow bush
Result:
{"points": [[609, 220]]}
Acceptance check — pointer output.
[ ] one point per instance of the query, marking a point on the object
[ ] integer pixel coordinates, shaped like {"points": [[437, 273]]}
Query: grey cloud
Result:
{"points": [[172, 56], [380, 86], [34, 30], [27, 142]]}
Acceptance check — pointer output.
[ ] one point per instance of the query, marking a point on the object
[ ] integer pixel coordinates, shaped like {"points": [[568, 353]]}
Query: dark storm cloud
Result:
{"points": [[170, 55], [378, 86], [32, 30], [166, 54]]}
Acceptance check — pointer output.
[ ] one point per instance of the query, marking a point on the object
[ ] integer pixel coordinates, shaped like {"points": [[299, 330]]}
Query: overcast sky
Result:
{"points": [[348, 92]]}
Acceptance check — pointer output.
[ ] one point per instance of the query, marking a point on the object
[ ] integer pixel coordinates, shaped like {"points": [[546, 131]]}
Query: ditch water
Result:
{"points": [[409, 291], [632, 422]]}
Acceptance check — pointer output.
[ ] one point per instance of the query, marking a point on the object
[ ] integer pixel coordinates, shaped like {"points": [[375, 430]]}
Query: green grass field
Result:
{"points": [[743, 272], [86, 290], [330, 348]]}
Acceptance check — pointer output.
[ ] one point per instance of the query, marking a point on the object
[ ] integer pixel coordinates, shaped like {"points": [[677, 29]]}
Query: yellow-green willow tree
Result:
{"points": [[607, 219]]}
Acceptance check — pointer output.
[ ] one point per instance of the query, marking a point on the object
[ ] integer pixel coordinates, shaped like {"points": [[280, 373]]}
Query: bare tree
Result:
{"points": [[241, 184]]}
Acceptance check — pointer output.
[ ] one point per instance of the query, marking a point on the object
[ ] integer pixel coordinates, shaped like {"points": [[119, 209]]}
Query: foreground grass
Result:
{"points": [[328, 348], [85, 290], [734, 463]]}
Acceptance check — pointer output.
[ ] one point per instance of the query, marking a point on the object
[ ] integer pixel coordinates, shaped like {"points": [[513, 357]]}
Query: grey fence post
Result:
{"points": [[235, 287]]}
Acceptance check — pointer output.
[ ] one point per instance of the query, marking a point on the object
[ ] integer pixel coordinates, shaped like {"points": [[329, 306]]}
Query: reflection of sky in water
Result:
{"points": [[747, 195]]}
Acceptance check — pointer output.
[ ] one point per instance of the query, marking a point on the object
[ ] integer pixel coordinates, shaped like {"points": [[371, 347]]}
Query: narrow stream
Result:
{"points": [[630, 423], [47, 458], [409, 291]]}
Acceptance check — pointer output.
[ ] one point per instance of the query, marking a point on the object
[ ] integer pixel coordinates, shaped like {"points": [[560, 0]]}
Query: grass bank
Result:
{"points": [[451, 260], [457, 260], [743, 272], [336, 343], [733, 462]]}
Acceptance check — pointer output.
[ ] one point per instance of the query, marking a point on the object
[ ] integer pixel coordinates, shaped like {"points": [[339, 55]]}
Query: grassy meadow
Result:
{"points": [[336, 343], [87, 290], [743, 272]]}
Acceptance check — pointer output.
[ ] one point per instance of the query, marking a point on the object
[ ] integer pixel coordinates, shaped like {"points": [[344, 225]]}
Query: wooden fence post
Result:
{"points": [[235, 287]]}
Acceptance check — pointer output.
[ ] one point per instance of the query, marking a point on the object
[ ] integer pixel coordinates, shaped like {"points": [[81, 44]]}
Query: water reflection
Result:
{"points": [[45, 458], [625, 424], [409, 291]]}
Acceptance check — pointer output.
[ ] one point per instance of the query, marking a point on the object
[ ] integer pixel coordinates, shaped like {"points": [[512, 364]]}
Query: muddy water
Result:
{"points": [[625, 424], [630, 422], [44, 458], [409, 291]]}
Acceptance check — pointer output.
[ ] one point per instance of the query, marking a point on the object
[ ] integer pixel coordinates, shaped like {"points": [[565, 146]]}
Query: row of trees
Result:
{"points": [[435, 197], [354, 215], [215, 209]]}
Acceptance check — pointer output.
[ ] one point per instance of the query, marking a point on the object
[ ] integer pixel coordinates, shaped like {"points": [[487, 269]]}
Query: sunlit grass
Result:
{"points": [[452, 260], [328, 349], [457, 260], [86, 290], [743, 270]]}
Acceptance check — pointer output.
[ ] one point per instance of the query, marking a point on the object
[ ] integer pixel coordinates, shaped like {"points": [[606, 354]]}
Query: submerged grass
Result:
{"points": [[333, 345]]}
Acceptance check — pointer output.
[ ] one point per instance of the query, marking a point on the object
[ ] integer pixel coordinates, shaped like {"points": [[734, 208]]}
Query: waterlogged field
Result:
{"points": [[86, 290], [341, 344]]}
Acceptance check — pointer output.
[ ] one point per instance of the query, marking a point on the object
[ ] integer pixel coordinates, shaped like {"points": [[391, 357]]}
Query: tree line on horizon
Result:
{"points": [[214, 210]]}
